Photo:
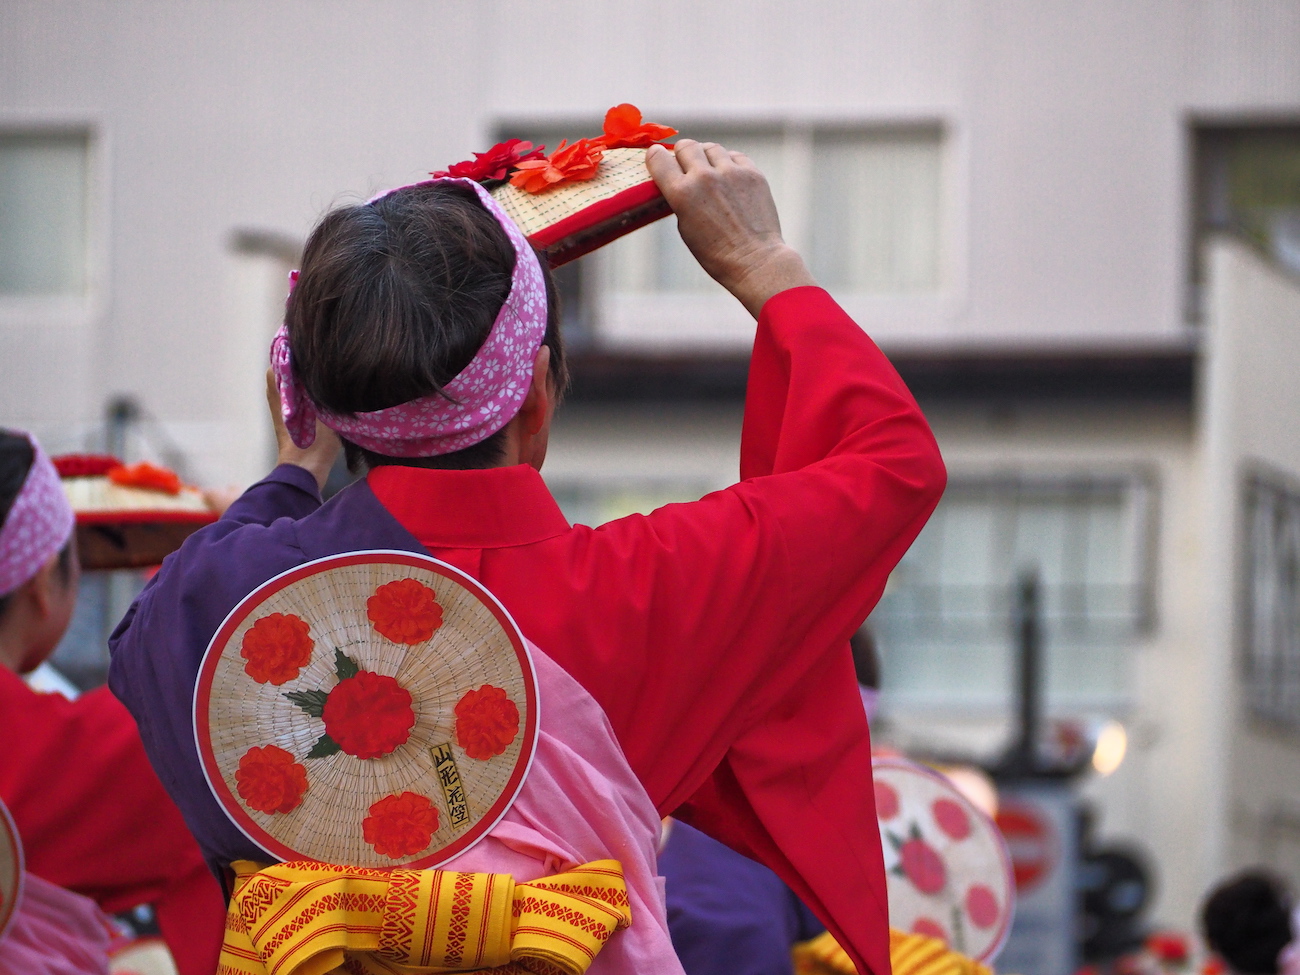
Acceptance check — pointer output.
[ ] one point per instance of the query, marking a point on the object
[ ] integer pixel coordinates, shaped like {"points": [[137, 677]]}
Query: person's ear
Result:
{"points": [[537, 404], [43, 586]]}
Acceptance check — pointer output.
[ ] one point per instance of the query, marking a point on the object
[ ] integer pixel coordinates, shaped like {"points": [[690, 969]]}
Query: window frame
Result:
{"points": [[19, 312], [1139, 486], [1259, 682], [713, 323]]}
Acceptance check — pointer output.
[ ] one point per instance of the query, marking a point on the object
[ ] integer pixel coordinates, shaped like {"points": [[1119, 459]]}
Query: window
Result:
{"points": [[944, 623], [866, 212], [862, 204], [1247, 185], [1272, 596], [875, 211], [43, 213]]}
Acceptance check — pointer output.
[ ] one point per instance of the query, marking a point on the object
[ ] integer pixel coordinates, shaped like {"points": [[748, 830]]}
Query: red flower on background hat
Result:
{"points": [[405, 611], [570, 163], [270, 780], [487, 721], [495, 164], [400, 825], [368, 715], [276, 648], [625, 130]]}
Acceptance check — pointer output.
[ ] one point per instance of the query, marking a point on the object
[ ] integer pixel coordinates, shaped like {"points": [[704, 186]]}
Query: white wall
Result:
{"points": [[1250, 409]]}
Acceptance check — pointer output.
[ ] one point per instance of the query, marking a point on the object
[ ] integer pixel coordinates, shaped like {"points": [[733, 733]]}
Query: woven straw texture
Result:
{"points": [[619, 170], [947, 869], [471, 648], [11, 868]]}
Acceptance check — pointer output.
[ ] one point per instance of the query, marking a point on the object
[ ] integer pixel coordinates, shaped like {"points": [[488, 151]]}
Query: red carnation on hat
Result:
{"points": [[85, 465], [405, 611], [270, 781], [487, 721], [276, 647], [400, 825], [625, 130], [922, 866], [368, 715], [149, 477], [568, 164], [495, 164]]}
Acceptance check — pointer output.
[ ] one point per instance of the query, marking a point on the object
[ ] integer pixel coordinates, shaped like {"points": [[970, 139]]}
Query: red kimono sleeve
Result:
{"points": [[728, 661], [796, 785], [94, 818]]}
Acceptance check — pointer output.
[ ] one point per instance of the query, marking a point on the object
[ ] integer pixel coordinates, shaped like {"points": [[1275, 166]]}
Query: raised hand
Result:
{"points": [[727, 217]]}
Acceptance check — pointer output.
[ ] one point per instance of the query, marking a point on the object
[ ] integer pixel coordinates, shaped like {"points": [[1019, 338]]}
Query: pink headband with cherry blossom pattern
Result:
{"points": [[38, 524], [476, 404]]}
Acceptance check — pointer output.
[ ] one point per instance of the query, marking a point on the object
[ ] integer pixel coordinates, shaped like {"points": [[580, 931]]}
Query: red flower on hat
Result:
{"points": [[85, 465], [270, 781], [982, 906], [567, 164], [400, 825], [1168, 946], [405, 611], [148, 476], [496, 163], [486, 722], [368, 715], [276, 647], [922, 866], [625, 130]]}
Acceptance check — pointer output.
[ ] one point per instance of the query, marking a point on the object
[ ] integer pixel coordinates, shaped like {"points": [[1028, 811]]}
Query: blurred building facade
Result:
{"points": [[1075, 228]]}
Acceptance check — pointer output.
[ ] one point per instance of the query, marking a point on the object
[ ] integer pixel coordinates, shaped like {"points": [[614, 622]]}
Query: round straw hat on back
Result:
{"points": [[373, 709], [947, 868]]}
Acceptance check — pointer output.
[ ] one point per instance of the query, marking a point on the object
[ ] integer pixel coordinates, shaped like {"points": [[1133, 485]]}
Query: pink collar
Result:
{"points": [[473, 406], [37, 526]]}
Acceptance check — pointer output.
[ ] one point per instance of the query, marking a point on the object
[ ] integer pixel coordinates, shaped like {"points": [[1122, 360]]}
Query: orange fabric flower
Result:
{"points": [[567, 164], [276, 647], [147, 476], [368, 715], [405, 611], [625, 130], [270, 781], [400, 825], [486, 722]]}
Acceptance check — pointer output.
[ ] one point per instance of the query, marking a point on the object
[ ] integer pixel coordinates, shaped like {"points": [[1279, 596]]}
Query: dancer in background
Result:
{"points": [[92, 815], [1247, 921]]}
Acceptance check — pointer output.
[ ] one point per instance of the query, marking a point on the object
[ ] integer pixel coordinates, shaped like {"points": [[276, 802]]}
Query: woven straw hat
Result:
{"points": [[373, 709], [11, 869], [574, 219], [947, 868]]}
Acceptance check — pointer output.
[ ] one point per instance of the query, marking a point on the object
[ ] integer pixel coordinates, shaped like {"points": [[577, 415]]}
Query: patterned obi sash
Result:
{"points": [[306, 918]]}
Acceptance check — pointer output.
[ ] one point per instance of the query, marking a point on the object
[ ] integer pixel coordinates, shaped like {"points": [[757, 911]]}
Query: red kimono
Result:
{"points": [[94, 818], [714, 634]]}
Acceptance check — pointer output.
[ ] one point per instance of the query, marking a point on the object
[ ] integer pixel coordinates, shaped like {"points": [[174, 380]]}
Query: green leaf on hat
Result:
{"points": [[325, 745]]}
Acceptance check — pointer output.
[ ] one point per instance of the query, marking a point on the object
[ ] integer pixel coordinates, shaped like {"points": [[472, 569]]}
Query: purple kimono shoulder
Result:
{"points": [[157, 648]]}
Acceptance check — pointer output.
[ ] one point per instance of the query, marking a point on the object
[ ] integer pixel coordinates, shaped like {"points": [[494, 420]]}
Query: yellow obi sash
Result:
{"points": [[304, 918], [909, 954]]}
